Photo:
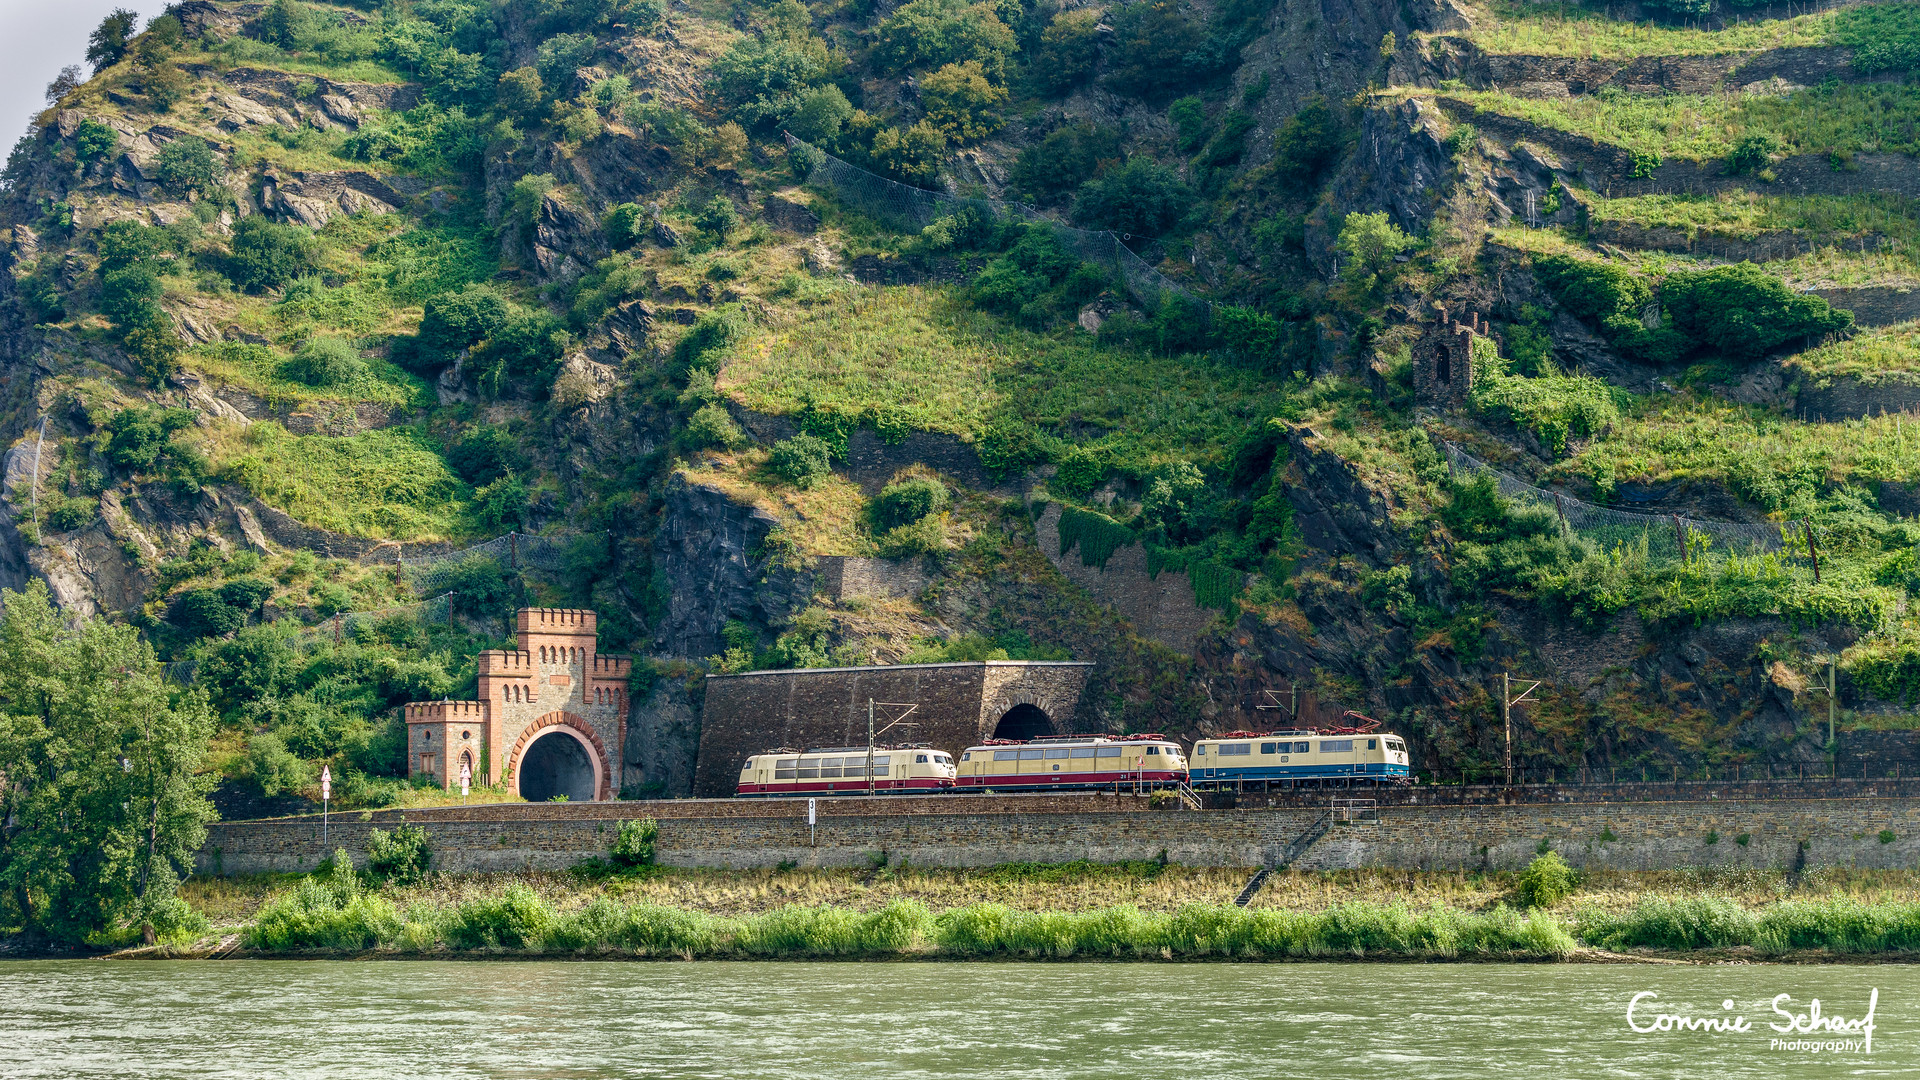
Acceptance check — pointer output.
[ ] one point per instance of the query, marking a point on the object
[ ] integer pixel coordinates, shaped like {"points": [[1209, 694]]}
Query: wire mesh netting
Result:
{"points": [[346, 624], [906, 208], [1667, 536], [515, 551]]}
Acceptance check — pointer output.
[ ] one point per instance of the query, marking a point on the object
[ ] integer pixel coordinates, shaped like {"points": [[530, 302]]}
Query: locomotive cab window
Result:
{"points": [[1153, 750], [1200, 751], [966, 757], [920, 758], [1373, 744]]}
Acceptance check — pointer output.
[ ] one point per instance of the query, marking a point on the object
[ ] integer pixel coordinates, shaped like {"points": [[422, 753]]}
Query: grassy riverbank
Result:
{"points": [[1082, 910]]}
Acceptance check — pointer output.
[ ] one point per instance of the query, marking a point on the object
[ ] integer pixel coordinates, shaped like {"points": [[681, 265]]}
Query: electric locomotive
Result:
{"points": [[1065, 762], [1344, 757], [842, 770]]}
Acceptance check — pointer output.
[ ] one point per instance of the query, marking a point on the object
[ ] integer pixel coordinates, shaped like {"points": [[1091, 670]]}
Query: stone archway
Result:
{"points": [[559, 754], [1024, 721]]}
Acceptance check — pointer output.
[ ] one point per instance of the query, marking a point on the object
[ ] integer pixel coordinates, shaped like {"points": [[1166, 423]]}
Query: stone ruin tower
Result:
{"points": [[551, 718], [1443, 362]]}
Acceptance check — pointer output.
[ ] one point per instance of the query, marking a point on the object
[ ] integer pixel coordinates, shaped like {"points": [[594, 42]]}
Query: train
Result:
{"points": [[1355, 755], [842, 770], [1282, 759]]}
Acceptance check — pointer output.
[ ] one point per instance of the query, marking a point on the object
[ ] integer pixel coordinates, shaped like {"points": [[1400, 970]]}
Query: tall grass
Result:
{"points": [[1841, 120], [1569, 30], [928, 361], [327, 915], [1839, 925], [1868, 355], [390, 483], [1746, 214]]}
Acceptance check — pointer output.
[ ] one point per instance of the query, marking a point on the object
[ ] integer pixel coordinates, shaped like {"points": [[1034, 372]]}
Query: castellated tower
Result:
{"points": [[551, 718], [1443, 362]]}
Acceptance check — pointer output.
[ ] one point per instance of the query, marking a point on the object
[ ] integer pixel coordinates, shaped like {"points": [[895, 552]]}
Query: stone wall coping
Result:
{"points": [[904, 667]]}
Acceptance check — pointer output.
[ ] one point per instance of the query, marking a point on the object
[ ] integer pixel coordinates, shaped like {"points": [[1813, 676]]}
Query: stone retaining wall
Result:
{"points": [[1625, 836]]}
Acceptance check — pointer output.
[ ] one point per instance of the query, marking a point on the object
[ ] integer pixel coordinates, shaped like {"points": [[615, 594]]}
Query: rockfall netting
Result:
{"points": [[514, 551], [1668, 537], [906, 208]]}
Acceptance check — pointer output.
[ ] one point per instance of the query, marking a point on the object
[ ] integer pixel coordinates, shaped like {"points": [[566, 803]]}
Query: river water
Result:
{"points": [[882, 1020]]}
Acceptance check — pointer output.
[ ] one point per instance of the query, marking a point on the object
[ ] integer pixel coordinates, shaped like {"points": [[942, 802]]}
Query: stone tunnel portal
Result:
{"points": [[556, 763], [1023, 722]]}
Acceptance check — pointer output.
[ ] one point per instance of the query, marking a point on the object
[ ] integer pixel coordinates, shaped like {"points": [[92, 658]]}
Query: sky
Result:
{"points": [[37, 39]]}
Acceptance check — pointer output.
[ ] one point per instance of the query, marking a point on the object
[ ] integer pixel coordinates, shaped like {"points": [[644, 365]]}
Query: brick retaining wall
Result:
{"points": [[1628, 836]]}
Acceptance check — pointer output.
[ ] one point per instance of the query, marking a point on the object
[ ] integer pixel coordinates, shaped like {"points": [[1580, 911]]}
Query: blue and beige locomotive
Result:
{"points": [[1343, 757]]}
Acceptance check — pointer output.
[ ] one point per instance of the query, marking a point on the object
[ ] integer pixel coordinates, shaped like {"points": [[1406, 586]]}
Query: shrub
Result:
{"points": [[187, 164], [924, 536], [268, 255], [1752, 153], [130, 293], [1142, 197], [801, 461], [712, 334], [272, 767], [634, 844], [484, 455], [561, 55], [516, 919], [910, 155], [1068, 157], [1554, 407], [625, 225], [325, 361], [1660, 922], [1743, 312], [401, 856], [1546, 881], [1189, 117], [713, 425], [717, 218], [95, 141], [908, 501], [460, 320]]}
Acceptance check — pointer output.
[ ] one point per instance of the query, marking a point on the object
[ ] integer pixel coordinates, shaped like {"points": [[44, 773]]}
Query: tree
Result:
{"points": [[961, 102], [1370, 242], [64, 83], [1308, 142], [822, 113], [108, 42], [1156, 47], [761, 81], [718, 218], [520, 93], [1069, 48], [1142, 197], [105, 803], [1065, 159], [187, 164], [562, 55], [268, 255], [933, 33]]}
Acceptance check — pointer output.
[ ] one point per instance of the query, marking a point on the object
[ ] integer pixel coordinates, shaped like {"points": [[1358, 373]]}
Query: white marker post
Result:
{"points": [[813, 809], [326, 795], [466, 777]]}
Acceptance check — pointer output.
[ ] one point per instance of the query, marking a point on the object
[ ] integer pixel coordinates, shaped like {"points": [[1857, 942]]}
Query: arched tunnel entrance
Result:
{"points": [[556, 764], [1023, 721]]}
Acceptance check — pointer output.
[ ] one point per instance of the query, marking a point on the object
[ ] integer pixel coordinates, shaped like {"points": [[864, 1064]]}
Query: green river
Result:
{"points": [[883, 1020]]}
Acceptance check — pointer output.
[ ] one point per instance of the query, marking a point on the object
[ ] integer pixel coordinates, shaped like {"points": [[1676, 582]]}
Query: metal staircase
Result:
{"points": [[1295, 849], [1188, 797]]}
